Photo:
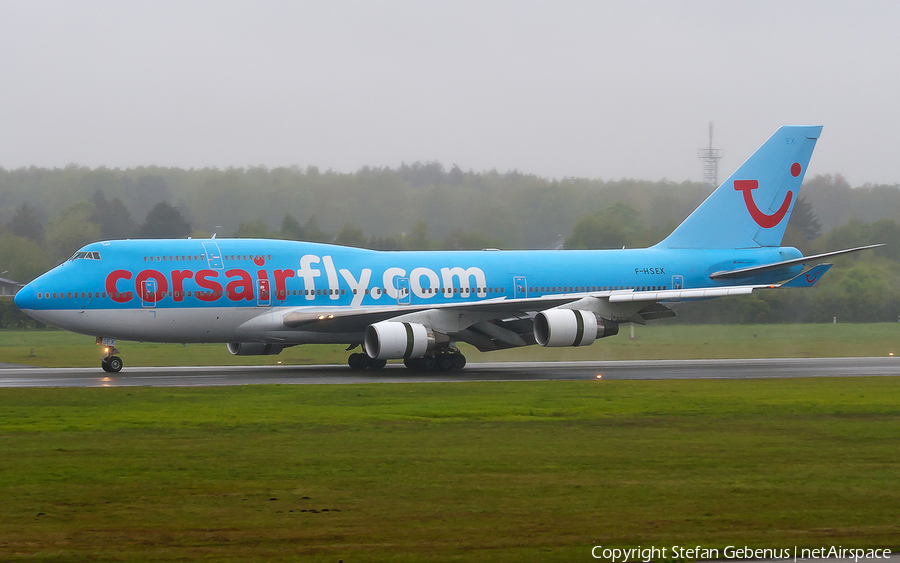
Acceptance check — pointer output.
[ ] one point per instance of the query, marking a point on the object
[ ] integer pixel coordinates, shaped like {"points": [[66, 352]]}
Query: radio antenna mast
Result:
{"points": [[710, 157]]}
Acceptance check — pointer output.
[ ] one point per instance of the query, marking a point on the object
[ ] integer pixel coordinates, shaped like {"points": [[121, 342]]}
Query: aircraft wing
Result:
{"points": [[347, 319], [805, 279], [506, 322]]}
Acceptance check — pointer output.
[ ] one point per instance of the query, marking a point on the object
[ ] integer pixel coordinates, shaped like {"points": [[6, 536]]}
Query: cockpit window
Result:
{"points": [[94, 255]]}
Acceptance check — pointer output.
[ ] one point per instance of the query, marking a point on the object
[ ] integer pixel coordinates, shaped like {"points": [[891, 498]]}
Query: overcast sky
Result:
{"points": [[563, 88]]}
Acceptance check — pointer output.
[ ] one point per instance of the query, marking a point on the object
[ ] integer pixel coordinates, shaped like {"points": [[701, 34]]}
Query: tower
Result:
{"points": [[710, 157]]}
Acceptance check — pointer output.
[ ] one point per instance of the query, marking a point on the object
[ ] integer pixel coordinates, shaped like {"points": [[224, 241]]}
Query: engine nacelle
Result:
{"points": [[254, 348], [390, 340], [571, 327]]}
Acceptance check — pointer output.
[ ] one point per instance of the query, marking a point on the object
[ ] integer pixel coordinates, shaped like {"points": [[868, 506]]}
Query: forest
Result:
{"points": [[47, 214]]}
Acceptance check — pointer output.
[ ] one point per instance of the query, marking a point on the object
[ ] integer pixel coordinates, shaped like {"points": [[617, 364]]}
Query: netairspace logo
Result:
{"points": [[675, 552]]}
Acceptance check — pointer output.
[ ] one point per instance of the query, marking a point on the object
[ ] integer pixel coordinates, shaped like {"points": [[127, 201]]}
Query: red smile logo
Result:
{"points": [[763, 220], [813, 279]]}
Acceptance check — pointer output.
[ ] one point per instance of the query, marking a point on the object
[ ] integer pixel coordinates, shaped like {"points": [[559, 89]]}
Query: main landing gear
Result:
{"points": [[109, 362], [441, 361], [451, 360], [362, 361]]}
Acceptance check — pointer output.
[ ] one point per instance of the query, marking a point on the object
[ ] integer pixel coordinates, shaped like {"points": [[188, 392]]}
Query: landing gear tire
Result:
{"points": [[357, 361], [362, 361], [445, 362], [111, 364]]}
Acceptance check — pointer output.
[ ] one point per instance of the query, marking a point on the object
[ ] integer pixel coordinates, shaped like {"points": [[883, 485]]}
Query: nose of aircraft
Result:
{"points": [[26, 298]]}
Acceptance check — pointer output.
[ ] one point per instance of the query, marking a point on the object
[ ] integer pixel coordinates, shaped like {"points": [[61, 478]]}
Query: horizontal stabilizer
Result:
{"points": [[752, 271], [809, 277]]}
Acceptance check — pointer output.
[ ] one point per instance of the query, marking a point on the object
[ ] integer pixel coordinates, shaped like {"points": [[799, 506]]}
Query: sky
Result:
{"points": [[558, 88]]}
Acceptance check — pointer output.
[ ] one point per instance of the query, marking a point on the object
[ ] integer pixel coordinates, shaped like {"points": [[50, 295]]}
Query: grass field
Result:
{"points": [[498, 472], [54, 348]]}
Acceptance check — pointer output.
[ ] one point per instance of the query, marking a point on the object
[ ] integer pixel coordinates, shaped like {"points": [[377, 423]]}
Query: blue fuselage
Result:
{"points": [[220, 273]]}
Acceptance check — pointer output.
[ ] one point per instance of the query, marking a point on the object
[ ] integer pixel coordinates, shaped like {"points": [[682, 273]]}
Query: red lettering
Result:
{"points": [[178, 277], [162, 286], [111, 290], [280, 276], [245, 283], [213, 287]]}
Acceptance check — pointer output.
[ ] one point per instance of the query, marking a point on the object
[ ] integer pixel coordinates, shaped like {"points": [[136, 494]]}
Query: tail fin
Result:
{"points": [[752, 207]]}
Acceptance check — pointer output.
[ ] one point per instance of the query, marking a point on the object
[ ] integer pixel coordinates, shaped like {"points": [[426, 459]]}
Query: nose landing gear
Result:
{"points": [[109, 362]]}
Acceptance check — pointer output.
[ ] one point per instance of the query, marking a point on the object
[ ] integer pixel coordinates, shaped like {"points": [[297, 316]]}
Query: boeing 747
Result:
{"points": [[261, 296]]}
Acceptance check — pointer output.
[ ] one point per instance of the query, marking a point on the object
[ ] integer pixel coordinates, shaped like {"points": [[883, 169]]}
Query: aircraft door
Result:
{"points": [[677, 282], [263, 295], [521, 287], [213, 255], [403, 296], [149, 288]]}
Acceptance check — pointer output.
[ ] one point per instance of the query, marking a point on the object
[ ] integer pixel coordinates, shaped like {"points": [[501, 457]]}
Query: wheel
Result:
{"points": [[376, 365], [114, 363], [104, 363], [459, 362], [357, 361], [443, 362]]}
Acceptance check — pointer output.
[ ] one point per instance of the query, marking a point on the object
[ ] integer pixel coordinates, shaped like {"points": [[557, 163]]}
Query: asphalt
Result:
{"points": [[395, 373]]}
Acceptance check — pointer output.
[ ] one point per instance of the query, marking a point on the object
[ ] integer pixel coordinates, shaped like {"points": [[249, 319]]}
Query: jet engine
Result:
{"points": [[390, 340], [254, 348], [571, 327]]}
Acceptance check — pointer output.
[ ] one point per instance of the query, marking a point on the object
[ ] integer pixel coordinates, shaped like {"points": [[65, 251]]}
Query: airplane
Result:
{"points": [[261, 296]]}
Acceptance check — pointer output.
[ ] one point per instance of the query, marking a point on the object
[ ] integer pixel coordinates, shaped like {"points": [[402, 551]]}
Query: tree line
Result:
{"points": [[45, 215]]}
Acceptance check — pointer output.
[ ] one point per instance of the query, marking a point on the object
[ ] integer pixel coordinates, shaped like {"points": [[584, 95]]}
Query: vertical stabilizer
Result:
{"points": [[752, 207]]}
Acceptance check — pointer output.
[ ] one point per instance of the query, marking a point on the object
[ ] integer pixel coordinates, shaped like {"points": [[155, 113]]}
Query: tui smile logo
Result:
{"points": [[763, 220]]}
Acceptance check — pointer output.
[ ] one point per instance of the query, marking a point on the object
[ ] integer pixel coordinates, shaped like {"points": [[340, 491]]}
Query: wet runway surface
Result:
{"points": [[396, 373]]}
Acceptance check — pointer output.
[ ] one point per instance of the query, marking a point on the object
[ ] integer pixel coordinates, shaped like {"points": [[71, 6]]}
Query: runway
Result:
{"points": [[500, 371]]}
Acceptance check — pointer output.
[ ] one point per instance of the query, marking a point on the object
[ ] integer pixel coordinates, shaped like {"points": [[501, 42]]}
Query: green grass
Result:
{"points": [[538, 471], [53, 348]]}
